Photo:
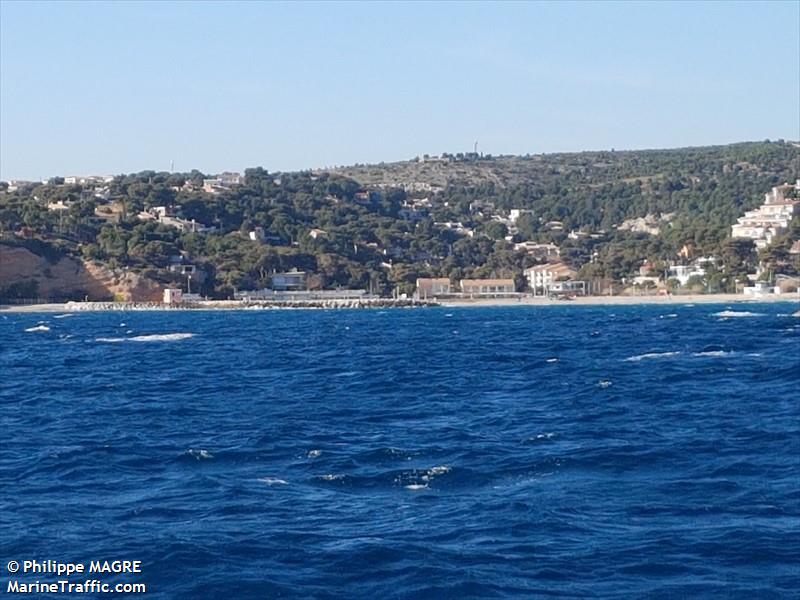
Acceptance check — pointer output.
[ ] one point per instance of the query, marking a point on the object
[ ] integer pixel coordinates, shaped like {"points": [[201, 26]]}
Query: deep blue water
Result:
{"points": [[437, 453]]}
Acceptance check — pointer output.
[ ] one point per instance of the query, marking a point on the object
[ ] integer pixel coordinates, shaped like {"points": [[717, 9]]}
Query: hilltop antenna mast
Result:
{"points": [[476, 147]]}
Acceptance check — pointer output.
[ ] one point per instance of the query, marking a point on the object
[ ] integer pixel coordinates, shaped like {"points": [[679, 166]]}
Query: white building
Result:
{"points": [[542, 277], [684, 272], [770, 219]]}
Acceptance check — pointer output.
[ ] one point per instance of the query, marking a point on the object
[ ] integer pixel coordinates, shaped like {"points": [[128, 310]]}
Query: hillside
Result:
{"points": [[379, 227]]}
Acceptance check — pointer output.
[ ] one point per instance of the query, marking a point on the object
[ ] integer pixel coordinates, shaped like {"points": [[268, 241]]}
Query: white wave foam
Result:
{"points": [[542, 436], [439, 470], [651, 355], [415, 487], [273, 481], [314, 453], [552, 360], [159, 337], [604, 383], [199, 454], [669, 316], [332, 477], [755, 354], [64, 316], [37, 328], [727, 314], [162, 337], [717, 353]]}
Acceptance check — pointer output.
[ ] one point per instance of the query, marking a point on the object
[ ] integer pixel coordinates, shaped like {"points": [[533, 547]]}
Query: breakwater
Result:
{"points": [[250, 305]]}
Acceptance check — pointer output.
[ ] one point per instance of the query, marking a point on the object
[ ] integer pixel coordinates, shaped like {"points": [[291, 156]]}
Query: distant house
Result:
{"points": [[487, 287], [541, 251], [291, 281], [317, 233], [770, 219], [685, 272], [542, 277], [433, 287]]}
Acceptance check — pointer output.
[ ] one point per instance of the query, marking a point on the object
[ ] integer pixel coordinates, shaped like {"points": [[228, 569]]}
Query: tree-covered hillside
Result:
{"points": [[381, 226]]}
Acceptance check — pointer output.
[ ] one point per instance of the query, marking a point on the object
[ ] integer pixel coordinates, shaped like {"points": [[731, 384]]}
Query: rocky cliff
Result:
{"points": [[24, 274]]}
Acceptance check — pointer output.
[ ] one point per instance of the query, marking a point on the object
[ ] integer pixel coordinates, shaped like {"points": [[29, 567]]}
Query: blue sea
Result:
{"points": [[564, 451]]}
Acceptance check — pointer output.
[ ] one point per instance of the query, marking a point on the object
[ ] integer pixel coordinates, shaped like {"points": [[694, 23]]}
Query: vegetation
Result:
{"points": [[378, 234]]}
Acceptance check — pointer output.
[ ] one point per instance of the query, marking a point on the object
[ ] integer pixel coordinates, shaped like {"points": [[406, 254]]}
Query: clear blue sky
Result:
{"points": [[101, 88]]}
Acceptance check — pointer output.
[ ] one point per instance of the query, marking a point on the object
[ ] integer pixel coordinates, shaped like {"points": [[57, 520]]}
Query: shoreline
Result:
{"points": [[624, 300], [76, 307]]}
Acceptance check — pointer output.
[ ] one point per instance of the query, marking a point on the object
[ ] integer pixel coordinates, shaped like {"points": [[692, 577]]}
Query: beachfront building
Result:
{"points": [[293, 281], [173, 295], [433, 287], [487, 287], [685, 272], [771, 218], [542, 277], [567, 288]]}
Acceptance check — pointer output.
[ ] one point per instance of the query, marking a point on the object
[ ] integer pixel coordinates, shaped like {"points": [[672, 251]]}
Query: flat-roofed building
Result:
{"points": [[487, 287], [433, 287], [290, 281]]}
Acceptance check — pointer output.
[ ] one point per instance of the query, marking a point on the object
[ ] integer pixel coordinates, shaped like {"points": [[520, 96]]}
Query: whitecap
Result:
{"points": [[64, 316], [199, 454], [273, 481], [604, 384], [448, 314], [713, 353], [162, 337], [727, 314], [669, 316], [755, 354], [37, 328], [332, 477], [545, 436], [439, 470], [552, 360], [415, 487], [314, 453], [123, 325], [159, 337], [650, 355]]}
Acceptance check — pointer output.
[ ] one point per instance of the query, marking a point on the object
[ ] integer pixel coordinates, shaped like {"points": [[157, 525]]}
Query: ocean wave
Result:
{"points": [[158, 337], [64, 316], [314, 453], [669, 316], [552, 360], [37, 328], [604, 383], [651, 355], [727, 314], [420, 478], [273, 481], [415, 487], [199, 454], [713, 353]]}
